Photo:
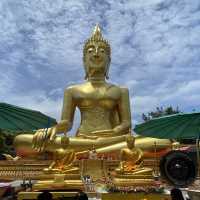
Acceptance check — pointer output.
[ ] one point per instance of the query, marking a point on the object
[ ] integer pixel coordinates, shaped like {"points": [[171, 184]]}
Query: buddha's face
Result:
{"points": [[96, 58], [130, 141]]}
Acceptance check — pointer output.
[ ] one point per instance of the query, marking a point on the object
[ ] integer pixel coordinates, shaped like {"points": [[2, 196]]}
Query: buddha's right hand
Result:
{"points": [[43, 136]]}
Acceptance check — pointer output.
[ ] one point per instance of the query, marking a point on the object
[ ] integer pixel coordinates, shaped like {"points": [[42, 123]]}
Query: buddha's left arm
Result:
{"points": [[124, 113], [67, 111]]}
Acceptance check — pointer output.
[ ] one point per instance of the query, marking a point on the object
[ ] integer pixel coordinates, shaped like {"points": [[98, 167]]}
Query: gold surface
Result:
{"points": [[140, 181], [94, 168], [134, 176], [135, 196], [58, 185], [29, 169], [34, 169]]}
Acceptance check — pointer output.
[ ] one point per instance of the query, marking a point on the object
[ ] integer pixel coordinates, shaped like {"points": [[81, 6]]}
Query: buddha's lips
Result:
{"points": [[96, 60]]}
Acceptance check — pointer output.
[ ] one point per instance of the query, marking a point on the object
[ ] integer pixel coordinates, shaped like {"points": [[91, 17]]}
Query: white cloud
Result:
{"points": [[186, 95]]}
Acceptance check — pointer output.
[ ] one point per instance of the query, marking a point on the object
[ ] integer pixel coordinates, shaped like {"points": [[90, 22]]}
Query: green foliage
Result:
{"points": [[6, 142], [160, 112]]}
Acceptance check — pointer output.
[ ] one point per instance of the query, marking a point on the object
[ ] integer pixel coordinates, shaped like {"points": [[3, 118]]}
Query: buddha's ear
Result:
{"points": [[107, 69], [86, 69], [86, 76], [106, 75]]}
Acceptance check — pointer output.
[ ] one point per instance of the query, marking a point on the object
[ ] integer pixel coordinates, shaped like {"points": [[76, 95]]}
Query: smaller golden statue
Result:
{"points": [[130, 170], [62, 162], [131, 159]]}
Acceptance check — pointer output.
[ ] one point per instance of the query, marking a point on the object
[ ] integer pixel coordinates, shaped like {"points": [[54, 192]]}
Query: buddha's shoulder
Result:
{"points": [[75, 88], [86, 85], [120, 89]]}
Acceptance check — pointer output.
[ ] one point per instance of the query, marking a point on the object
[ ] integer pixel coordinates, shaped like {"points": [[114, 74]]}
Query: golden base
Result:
{"points": [[59, 183], [52, 185], [67, 176], [94, 168], [133, 182], [134, 176], [139, 177]]}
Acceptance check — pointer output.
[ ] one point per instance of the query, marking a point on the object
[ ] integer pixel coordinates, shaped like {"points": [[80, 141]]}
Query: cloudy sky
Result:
{"points": [[155, 51]]}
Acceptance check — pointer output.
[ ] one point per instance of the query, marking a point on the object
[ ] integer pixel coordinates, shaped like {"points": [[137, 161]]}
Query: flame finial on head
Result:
{"points": [[97, 37]]}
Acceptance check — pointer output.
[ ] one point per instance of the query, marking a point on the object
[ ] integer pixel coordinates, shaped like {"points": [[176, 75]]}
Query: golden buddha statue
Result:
{"points": [[105, 114], [131, 160], [104, 107], [62, 162]]}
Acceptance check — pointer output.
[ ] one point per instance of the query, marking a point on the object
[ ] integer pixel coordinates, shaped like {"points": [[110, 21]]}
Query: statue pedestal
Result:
{"points": [[93, 168], [138, 177], [59, 183], [125, 182]]}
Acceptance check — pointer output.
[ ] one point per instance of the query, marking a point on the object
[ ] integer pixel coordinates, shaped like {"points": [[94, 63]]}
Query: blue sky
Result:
{"points": [[155, 51]]}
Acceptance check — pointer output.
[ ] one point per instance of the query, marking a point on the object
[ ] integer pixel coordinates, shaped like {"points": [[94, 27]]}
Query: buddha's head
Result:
{"points": [[96, 55], [130, 140]]}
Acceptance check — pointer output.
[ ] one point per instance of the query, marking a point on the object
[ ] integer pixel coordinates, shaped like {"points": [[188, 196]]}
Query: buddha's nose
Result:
{"points": [[96, 52], [96, 56]]}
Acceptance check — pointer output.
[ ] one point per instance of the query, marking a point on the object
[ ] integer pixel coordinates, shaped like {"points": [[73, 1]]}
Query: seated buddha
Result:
{"points": [[104, 108], [131, 160]]}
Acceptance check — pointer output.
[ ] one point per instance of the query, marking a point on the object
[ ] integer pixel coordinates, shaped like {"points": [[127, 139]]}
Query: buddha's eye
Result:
{"points": [[90, 50], [102, 50]]}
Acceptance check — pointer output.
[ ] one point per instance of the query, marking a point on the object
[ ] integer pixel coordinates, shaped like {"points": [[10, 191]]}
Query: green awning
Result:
{"points": [[177, 126], [14, 118]]}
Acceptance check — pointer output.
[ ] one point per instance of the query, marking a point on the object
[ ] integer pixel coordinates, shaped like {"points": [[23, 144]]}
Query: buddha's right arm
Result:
{"points": [[124, 113]]}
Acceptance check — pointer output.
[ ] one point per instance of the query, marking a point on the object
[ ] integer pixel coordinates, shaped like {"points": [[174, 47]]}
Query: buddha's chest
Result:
{"points": [[95, 97]]}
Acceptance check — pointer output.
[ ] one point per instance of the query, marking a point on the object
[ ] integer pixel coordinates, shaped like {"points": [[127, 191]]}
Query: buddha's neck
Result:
{"points": [[97, 78]]}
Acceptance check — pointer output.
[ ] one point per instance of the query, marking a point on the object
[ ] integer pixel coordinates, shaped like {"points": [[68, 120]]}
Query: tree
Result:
{"points": [[6, 142], [159, 112]]}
